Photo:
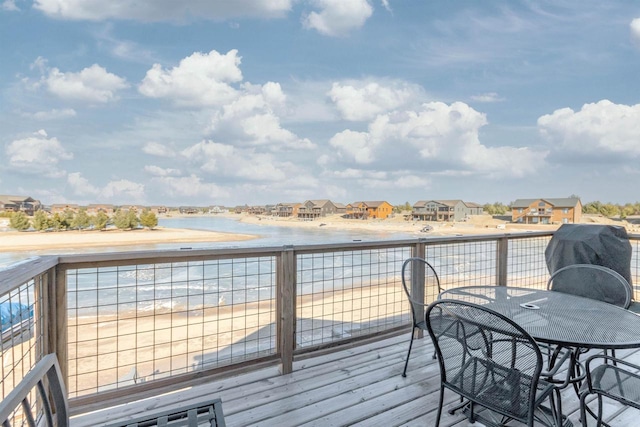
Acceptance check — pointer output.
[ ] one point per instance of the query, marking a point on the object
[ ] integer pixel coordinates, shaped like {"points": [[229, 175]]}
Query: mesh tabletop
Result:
{"points": [[557, 318]]}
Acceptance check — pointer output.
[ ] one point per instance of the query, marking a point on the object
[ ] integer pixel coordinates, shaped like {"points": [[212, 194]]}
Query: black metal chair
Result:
{"points": [[501, 372], [592, 281], [418, 278], [614, 379]]}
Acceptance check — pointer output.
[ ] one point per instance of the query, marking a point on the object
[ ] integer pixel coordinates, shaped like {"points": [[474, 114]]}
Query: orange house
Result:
{"points": [[365, 210]]}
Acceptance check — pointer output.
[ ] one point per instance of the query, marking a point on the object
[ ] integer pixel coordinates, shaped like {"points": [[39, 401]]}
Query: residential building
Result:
{"points": [[366, 210], [547, 211], [312, 209], [62, 207], [94, 209], [444, 210], [159, 209], [287, 210], [191, 210], [24, 204]]}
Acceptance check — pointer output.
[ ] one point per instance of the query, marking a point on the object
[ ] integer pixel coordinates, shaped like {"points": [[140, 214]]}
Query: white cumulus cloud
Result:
{"points": [[338, 17], [80, 185], [635, 31], [228, 161], [37, 154], [356, 146], [360, 101], [162, 10], [444, 137], [123, 191], [158, 171], [157, 149], [252, 120], [92, 84], [601, 128], [202, 79]]}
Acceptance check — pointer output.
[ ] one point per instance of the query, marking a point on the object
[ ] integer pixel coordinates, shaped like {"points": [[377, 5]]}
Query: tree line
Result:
{"points": [[81, 220]]}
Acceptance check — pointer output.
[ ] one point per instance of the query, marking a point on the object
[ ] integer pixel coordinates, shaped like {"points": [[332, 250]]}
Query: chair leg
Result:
{"points": [[583, 410], [440, 406], [406, 363]]}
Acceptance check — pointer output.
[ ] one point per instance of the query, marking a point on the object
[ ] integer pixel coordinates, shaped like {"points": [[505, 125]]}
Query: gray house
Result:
{"points": [[24, 204], [312, 209], [444, 210]]}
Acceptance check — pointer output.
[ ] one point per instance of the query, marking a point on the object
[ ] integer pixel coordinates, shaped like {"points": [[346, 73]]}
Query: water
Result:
{"points": [[268, 235]]}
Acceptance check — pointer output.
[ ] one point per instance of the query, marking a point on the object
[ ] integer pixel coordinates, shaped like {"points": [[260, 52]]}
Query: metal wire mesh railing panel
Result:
{"points": [[23, 331], [635, 266], [342, 294], [467, 263], [526, 262], [128, 324]]}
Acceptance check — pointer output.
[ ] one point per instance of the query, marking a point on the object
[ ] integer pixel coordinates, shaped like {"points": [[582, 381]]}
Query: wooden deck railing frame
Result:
{"points": [[53, 269]]}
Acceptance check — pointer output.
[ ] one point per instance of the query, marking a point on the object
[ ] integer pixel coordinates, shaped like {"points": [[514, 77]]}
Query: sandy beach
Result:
{"points": [[17, 241]]}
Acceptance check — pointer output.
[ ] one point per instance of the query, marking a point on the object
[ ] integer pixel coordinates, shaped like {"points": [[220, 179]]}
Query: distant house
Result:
{"points": [[287, 210], [62, 207], [366, 210], [188, 210], [24, 204], [94, 209], [257, 210], [547, 211], [159, 209], [217, 209], [312, 209], [341, 208], [444, 210]]}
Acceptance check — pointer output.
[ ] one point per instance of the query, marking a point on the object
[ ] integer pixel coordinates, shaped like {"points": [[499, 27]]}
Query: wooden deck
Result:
{"points": [[359, 386]]}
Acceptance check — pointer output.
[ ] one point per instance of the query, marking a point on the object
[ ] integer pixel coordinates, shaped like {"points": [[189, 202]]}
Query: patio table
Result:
{"points": [[558, 318]]}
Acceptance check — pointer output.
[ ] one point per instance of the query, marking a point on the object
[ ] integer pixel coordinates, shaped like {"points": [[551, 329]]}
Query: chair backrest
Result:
{"points": [[592, 281], [421, 285], [485, 357], [39, 399]]}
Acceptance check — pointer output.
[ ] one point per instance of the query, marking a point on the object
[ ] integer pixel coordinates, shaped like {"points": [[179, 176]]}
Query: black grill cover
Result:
{"points": [[605, 245]]}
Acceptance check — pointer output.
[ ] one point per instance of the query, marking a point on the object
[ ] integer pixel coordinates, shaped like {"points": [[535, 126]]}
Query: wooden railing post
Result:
{"points": [[286, 307], [418, 279], [502, 257], [60, 328]]}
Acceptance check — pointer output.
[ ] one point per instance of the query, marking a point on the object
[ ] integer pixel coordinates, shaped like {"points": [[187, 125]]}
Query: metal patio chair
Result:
{"points": [[592, 281], [500, 373], [421, 285], [619, 381]]}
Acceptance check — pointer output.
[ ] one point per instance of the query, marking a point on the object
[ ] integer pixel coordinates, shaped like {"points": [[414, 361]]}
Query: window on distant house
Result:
{"points": [[541, 204], [565, 210], [520, 210]]}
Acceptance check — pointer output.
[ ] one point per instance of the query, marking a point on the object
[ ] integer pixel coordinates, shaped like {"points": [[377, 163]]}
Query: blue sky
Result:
{"points": [[267, 101]]}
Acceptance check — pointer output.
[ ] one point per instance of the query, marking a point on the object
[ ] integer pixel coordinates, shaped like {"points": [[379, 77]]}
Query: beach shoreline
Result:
{"points": [[22, 241]]}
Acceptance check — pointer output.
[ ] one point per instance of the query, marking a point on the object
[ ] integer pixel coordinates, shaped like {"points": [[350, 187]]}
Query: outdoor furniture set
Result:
{"points": [[508, 351]]}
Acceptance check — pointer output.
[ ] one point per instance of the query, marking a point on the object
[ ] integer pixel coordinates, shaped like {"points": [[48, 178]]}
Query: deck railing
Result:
{"points": [[131, 322]]}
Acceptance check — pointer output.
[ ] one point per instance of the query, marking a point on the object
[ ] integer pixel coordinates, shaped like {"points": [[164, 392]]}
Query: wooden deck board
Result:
{"points": [[359, 386]]}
